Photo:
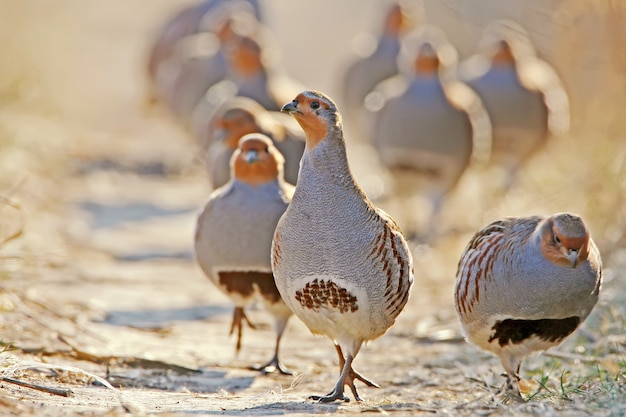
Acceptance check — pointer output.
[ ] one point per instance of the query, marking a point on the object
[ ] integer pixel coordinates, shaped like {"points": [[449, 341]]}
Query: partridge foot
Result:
{"points": [[510, 389], [239, 317], [272, 366], [330, 397], [354, 375], [335, 395], [348, 376]]}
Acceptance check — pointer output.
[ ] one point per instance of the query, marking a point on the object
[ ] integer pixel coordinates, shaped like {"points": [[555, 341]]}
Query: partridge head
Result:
{"points": [[256, 161], [241, 116]]}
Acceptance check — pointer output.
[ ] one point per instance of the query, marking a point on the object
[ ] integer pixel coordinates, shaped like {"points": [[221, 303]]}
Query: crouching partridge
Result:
{"points": [[341, 264], [524, 284], [234, 234]]}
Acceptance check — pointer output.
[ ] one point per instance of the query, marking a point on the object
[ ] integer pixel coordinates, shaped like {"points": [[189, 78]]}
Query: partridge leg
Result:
{"points": [[348, 376], [239, 316], [337, 392], [353, 375], [274, 364], [511, 386]]}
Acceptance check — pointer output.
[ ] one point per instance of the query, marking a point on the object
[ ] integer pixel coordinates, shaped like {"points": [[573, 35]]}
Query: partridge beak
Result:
{"points": [[572, 257], [251, 156], [291, 107]]}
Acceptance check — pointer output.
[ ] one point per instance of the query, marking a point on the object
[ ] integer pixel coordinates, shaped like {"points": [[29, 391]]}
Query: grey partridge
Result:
{"points": [[427, 126], [340, 263], [523, 95], [526, 283], [234, 235]]}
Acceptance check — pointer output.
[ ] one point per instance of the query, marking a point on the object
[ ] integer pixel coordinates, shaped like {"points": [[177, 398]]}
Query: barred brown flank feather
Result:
{"points": [[385, 251], [276, 244], [472, 269]]}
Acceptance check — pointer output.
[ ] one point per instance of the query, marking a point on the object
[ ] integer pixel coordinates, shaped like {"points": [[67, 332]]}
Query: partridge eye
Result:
{"points": [[556, 239], [315, 105]]}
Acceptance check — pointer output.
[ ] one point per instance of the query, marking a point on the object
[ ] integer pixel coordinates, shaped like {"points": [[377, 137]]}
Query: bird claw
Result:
{"points": [[239, 317], [272, 366], [330, 397], [354, 375], [510, 390]]}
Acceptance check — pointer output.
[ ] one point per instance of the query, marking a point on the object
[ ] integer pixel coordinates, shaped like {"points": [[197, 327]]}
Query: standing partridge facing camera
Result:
{"points": [[234, 234], [341, 264], [524, 284]]}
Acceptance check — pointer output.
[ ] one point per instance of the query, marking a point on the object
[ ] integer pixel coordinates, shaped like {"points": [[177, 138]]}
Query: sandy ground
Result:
{"points": [[101, 283]]}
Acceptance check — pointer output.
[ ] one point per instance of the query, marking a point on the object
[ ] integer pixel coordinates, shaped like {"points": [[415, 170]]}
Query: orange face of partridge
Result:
{"points": [[236, 123], [427, 62], [565, 244], [396, 21], [503, 55], [307, 110], [256, 161], [245, 56]]}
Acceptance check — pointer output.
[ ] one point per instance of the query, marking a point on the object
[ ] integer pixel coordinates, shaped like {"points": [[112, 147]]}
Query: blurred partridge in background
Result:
{"points": [[240, 116], [199, 60], [427, 127], [162, 62], [234, 235], [523, 95], [526, 283], [341, 264], [365, 72], [253, 71]]}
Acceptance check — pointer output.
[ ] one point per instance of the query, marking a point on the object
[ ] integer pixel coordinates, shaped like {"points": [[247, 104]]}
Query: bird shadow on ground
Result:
{"points": [[207, 381], [149, 255], [271, 409], [156, 168], [105, 216], [158, 319]]}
